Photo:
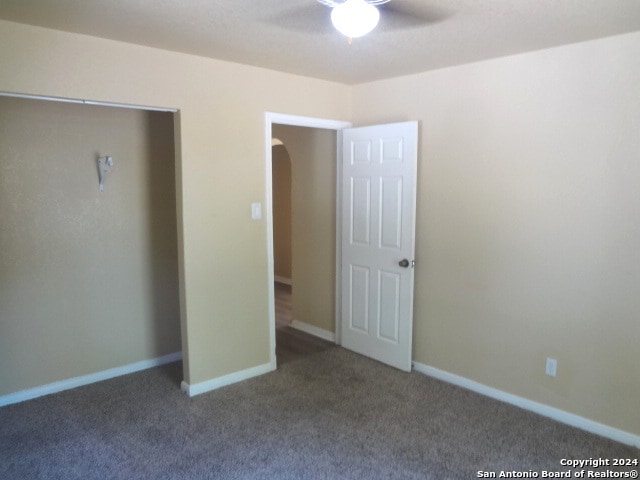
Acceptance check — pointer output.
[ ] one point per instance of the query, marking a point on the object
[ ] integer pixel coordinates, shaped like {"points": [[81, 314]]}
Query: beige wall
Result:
{"points": [[88, 280], [221, 154], [313, 172], [527, 204], [528, 230], [282, 216]]}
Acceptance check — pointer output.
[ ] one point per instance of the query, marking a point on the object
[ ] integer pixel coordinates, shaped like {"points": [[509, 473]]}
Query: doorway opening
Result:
{"points": [[310, 146], [293, 340]]}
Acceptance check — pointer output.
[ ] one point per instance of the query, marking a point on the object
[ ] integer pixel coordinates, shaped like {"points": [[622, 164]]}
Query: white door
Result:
{"points": [[378, 232]]}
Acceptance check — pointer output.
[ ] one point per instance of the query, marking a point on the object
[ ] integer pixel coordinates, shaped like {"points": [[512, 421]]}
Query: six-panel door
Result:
{"points": [[378, 224]]}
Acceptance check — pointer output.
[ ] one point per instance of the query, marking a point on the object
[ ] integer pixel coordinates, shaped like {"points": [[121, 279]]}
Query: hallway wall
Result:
{"points": [[313, 198], [282, 215]]}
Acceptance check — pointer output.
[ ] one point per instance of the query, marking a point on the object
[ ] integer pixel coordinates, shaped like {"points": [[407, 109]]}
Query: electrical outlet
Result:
{"points": [[552, 367]]}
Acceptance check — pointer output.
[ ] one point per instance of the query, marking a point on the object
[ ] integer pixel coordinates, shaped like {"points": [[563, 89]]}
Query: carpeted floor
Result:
{"points": [[333, 415]]}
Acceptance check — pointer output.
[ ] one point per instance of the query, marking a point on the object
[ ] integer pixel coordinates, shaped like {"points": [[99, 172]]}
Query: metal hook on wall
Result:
{"points": [[104, 164]]}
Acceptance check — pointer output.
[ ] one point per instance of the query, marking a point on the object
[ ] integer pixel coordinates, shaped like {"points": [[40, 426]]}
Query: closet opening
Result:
{"points": [[89, 281]]}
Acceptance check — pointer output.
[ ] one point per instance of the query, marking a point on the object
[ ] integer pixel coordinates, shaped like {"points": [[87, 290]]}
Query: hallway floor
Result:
{"points": [[293, 344]]}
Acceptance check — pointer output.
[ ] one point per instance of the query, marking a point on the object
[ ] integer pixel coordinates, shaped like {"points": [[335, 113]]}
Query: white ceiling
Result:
{"points": [[296, 36]]}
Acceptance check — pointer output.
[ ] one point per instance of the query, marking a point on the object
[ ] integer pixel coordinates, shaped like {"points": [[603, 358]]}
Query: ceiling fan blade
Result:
{"points": [[333, 3], [399, 16], [309, 18], [314, 17]]}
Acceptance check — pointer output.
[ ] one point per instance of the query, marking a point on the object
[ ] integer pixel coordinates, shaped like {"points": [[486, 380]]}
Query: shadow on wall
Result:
{"points": [[162, 246]]}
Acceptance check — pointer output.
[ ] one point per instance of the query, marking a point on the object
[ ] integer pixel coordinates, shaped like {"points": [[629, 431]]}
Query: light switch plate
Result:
{"points": [[256, 211]]}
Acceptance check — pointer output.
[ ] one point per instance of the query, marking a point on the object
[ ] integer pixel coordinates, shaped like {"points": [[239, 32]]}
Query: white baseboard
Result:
{"points": [[74, 382], [312, 330], [215, 383], [279, 279], [545, 410]]}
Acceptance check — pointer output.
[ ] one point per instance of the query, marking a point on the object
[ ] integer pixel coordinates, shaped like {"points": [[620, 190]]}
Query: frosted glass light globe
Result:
{"points": [[355, 18]]}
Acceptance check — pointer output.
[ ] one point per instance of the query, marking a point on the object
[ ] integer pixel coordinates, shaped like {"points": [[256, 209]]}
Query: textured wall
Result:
{"points": [[528, 225], [220, 168], [88, 280]]}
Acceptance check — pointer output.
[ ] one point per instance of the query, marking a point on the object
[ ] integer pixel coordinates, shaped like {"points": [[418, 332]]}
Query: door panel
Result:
{"points": [[360, 211], [359, 302], [391, 212], [379, 190], [388, 306]]}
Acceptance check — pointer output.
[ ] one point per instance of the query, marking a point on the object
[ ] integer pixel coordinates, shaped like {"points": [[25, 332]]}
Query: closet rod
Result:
{"points": [[86, 102]]}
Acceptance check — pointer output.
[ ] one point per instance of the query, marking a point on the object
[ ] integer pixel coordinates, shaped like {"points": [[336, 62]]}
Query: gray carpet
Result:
{"points": [[332, 415]]}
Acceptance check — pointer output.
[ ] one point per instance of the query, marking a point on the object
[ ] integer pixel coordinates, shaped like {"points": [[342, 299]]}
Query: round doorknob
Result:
{"points": [[404, 263]]}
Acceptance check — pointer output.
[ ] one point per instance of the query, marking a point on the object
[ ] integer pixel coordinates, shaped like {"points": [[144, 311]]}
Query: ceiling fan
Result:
{"points": [[355, 18]]}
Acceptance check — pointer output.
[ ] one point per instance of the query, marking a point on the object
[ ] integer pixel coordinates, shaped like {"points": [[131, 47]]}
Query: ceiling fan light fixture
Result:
{"points": [[355, 18]]}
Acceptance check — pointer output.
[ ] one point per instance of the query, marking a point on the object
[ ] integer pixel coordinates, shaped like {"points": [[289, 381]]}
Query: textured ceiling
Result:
{"points": [[296, 36]]}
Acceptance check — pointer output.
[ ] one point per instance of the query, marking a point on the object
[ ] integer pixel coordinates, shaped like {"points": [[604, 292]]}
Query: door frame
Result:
{"points": [[309, 122]]}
